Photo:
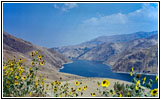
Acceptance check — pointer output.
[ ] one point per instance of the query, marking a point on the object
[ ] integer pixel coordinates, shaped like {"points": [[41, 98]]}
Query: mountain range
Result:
{"points": [[121, 52]]}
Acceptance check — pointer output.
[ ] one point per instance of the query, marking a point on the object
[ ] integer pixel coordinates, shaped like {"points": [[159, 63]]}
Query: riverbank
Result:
{"points": [[137, 73], [129, 72], [64, 64], [67, 62]]}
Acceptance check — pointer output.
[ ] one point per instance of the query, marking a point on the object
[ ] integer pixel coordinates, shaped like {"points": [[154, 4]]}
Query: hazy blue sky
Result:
{"points": [[60, 24]]}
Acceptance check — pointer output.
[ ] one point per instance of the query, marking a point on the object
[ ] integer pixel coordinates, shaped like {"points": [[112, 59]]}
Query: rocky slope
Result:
{"points": [[143, 60], [13, 46]]}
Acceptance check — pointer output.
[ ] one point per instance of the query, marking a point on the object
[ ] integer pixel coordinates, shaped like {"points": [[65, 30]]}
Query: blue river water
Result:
{"points": [[97, 69]]}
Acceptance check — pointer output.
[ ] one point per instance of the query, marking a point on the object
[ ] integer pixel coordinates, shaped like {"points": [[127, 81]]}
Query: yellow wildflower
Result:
{"points": [[16, 77], [16, 83], [30, 68], [138, 83], [60, 95], [47, 90], [42, 63], [18, 63], [39, 56], [93, 94], [154, 92], [79, 89], [53, 83], [105, 83], [32, 54], [144, 80], [36, 83], [16, 70], [32, 63], [11, 69], [71, 92], [21, 70], [128, 94], [39, 75], [40, 59], [42, 82], [19, 67], [6, 73], [156, 78], [120, 95], [20, 59], [112, 92], [24, 77], [36, 52], [11, 64], [4, 67], [59, 83], [76, 83], [30, 93], [131, 73], [132, 69], [47, 85], [84, 87], [20, 73]]}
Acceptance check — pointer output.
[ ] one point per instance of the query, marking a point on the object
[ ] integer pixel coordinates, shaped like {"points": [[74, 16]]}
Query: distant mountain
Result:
{"points": [[112, 49], [119, 38], [137, 44], [76, 51], [20, 48]]}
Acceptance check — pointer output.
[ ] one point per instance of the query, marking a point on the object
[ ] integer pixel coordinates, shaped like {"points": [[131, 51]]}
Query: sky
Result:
{"points": [[60, 24]]}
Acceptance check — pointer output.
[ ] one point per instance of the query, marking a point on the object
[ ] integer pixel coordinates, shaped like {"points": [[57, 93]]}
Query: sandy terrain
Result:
{"points": [[91, 85]]}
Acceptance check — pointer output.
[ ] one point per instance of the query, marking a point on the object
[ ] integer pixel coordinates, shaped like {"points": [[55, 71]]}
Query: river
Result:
{"points": [[97, 69]]}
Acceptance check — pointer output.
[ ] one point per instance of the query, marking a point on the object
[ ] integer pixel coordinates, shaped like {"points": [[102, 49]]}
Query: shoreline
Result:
{"points": [[137, 73], [111, 69], [67, 62], [64, 64], [128, 72]]}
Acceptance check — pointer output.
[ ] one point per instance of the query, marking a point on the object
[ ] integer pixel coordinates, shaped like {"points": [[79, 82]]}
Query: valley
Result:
{"points": [[121, 52], [91, 61]]}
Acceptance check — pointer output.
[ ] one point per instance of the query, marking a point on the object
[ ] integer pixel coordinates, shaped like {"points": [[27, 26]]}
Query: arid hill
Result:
{"points": [[13, 46]]}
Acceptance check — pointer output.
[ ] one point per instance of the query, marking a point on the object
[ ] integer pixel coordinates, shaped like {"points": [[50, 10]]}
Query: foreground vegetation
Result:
{"points": [[21, 81]]}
